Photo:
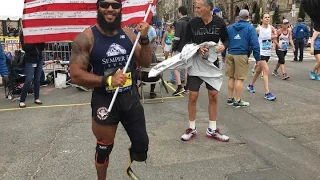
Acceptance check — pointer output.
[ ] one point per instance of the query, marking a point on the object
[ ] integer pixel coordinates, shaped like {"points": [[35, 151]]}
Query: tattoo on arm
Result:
{"points": [[79, 63], [80, 50]]}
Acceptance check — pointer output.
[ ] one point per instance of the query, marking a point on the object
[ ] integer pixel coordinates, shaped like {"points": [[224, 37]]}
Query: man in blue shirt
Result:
{"points": [[243, 37], [152, 34], [299, 34]]}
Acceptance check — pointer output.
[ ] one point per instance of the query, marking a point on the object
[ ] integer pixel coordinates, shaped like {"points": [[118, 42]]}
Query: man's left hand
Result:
{"points": [[143, 28], [220, 49]]}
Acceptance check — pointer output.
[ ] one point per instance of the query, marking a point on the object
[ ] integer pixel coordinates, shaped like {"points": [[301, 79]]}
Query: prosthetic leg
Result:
{"points": [[140, 157]]}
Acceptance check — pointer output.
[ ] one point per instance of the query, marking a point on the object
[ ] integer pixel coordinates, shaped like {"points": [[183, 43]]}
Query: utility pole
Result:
{"points": [[293, 12], [176, 4]]}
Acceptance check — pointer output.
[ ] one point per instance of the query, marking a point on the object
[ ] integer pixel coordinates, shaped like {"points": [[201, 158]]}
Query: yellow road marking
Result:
{"points": [[71, 105], [49, 106], [83, 104]]}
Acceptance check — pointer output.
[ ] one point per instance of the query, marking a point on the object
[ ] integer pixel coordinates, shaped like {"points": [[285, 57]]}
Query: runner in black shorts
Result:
{"points": [[265, 58], [266, 33], [104, 49], [282, 46]]}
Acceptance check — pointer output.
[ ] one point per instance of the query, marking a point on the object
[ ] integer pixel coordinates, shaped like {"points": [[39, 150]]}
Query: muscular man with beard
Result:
{"points": [[103, 49]]}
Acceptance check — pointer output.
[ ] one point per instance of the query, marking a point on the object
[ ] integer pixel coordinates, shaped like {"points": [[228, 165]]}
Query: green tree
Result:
{"points": [[302, 13], [256, 19], [276, 16]]}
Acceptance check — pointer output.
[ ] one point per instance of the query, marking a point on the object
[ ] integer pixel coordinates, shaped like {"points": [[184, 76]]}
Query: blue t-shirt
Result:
{"points": [[151, 33]]}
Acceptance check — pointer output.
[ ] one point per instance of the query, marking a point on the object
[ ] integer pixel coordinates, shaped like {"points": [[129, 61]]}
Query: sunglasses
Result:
{"points": [[106, 5]]}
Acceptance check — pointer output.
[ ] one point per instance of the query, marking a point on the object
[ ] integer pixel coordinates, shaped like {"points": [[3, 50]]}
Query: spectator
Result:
{"points": [[3, 68], [299, 34], [243, 37], [177, 45], [33, 70]]}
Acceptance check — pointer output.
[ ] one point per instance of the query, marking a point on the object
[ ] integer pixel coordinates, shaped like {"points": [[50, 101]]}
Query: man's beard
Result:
{"points": [[109, 26]]}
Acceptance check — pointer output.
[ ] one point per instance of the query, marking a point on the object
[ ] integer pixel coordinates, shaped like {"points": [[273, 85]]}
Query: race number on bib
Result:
{"points": [[266, 45], [284, 45], [168, 41], [317, 45]]}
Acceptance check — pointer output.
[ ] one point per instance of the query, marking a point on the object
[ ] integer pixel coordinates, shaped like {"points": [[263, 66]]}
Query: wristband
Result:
{"points": [[144, 41], [110, 80], [311, 49], [104, 81]]}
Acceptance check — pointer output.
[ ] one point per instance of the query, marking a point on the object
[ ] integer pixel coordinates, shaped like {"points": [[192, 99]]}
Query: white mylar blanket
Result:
{"points": [[196, 65]]}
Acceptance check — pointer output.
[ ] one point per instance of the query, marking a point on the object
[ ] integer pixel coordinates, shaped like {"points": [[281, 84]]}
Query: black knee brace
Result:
{"points": [[102, 153]]}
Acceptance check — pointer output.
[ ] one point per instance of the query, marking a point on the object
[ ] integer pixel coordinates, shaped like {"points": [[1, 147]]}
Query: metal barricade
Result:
{"points": [[56, 57], [55, 52]]}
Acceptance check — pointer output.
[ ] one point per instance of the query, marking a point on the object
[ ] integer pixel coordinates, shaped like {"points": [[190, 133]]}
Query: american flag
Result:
{"points": [[62, 20]]}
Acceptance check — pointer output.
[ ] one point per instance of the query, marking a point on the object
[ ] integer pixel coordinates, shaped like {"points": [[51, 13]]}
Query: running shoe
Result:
{"points": [[215, 134], [312, 75], [231, 101], [179, 91], [285, 76], [275, 73], [253, 72], [269, 96], [241, 103], [189, 134], [251, 88]]}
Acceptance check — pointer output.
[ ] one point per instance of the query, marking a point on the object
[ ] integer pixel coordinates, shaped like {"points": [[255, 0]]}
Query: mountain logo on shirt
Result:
{"points": [[115, 50], [237, 37]]}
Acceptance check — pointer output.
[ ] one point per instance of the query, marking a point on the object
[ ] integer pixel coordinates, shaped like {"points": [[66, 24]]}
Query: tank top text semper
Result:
{"points": [[110, 53]]}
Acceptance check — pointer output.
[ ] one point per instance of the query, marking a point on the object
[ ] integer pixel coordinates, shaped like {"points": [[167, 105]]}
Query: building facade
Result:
{"points": [[167, 10], [230, 8]]}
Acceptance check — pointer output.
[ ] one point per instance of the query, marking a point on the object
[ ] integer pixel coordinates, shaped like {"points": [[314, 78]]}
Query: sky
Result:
{"points": [[11, 8]]}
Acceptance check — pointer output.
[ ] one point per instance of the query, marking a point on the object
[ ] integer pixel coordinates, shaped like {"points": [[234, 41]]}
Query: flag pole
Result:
{"points": [[129, 60]]}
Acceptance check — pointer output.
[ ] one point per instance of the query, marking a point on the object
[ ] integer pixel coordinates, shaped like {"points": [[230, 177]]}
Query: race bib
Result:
{"points": [[317, 45], [168, 41], [266, 45], [284, 45], [125, 87]]}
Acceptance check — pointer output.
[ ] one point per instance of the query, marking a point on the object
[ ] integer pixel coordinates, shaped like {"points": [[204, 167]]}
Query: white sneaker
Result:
{"points": [[189, 134], [216, 135]]}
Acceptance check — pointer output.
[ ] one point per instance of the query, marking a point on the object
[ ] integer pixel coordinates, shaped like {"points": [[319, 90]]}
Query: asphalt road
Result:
{"points": [[269, 140]]}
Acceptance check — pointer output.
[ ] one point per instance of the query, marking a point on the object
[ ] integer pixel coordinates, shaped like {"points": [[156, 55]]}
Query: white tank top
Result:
{"points": [[265, 41], [284, 41]]}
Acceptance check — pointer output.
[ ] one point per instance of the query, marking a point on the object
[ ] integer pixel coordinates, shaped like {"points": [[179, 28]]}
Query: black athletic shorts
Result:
{"points": [[265, 58], [194, 83], [316, 52], [127, 108], [281, 56]]}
